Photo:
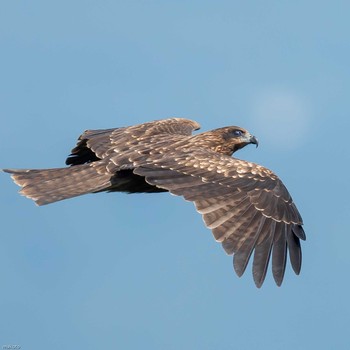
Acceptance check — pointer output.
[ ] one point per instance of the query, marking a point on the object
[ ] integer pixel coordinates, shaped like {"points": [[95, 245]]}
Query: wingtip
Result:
{"points": [[239, 271], [259, 276], [12, 173], [258, 283], [278, 280], [9, 171], [299, 232], [297, 270]]}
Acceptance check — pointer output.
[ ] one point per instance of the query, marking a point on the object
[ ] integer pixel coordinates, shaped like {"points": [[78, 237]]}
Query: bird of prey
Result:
{"points": [[246, 205]]}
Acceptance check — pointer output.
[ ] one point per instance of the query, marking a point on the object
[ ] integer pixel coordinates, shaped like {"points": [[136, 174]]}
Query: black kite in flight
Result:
{"points": [[246, 206]]}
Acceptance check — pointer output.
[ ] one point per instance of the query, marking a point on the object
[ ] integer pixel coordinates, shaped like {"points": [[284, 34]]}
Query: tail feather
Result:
{"points": [[46, 186]]}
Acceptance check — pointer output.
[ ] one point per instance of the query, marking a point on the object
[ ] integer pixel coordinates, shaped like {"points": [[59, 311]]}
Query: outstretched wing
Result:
{"points": [[246, 206], [97, 144]]}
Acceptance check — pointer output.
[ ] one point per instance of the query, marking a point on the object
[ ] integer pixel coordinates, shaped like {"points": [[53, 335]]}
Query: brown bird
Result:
{"points": [[246, 206]]}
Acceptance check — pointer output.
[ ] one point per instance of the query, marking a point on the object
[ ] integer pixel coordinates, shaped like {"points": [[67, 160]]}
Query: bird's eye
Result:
{"points": [[237, 132]]}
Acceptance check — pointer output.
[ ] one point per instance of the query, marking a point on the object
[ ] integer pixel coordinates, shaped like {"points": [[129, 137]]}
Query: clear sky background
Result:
{"points": [[116, 271]]}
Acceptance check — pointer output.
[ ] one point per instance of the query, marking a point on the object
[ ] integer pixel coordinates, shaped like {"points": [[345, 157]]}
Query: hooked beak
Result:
{"points": [[254, 140]]}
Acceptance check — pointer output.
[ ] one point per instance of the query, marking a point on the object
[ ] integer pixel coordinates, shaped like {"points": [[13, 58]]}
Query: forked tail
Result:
{"points": [[46, 186]]}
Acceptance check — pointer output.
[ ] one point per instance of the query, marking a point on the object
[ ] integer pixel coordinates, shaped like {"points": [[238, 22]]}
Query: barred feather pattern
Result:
{"points": [[247, 207]]}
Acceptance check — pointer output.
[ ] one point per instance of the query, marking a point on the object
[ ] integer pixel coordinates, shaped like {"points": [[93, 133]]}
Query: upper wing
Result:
{"points": [[246, 206], [97, 144]]}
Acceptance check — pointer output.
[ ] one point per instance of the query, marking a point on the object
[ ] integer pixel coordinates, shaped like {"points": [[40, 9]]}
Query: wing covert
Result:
{"points": [[98, 144]]}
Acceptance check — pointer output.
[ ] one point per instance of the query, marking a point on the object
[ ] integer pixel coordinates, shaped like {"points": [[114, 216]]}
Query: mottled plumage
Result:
{"points": [[246, 206]]}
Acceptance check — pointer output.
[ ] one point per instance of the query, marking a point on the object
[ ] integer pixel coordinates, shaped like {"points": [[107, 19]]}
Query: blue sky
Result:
{"points": [[129, 272]]}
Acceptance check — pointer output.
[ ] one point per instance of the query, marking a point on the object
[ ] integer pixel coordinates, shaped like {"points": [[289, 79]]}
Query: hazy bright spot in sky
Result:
{"points": [[281, 118]]}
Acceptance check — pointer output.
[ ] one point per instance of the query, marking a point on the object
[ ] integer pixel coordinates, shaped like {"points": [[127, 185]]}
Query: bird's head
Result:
{"points": [[225, 140], [236, 138]]}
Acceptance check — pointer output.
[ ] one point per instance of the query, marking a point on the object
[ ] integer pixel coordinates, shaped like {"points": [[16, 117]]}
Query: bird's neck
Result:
{"points": [[214, 142]]}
